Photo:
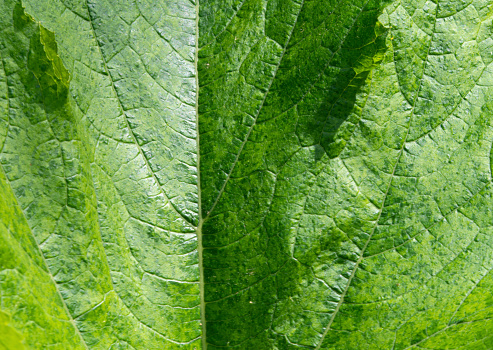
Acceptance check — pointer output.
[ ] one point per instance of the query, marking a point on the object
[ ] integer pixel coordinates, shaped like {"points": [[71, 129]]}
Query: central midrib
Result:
{"points": [[201, 221]]}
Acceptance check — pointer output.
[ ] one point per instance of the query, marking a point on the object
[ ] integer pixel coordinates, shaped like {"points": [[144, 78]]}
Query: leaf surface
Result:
{"points": [[246, 174]]}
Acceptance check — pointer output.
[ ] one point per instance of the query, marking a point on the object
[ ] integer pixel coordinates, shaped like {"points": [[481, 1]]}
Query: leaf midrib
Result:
{"points": [[198, 230]]}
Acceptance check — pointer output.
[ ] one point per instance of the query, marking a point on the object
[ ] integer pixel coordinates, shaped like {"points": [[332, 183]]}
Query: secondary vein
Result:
{"points": [[221, 191], [361, 257], [122, 110]]}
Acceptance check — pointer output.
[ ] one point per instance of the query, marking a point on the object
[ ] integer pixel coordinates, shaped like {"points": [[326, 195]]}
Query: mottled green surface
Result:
{"points": [[104, 172], [344, 199]]}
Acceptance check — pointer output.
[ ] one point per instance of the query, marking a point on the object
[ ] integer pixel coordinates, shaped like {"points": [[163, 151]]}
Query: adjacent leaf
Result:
{"points": [[343, 198]]}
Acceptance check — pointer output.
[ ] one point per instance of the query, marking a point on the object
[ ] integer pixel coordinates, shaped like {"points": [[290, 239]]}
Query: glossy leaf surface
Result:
{"points": [[246, 174]]}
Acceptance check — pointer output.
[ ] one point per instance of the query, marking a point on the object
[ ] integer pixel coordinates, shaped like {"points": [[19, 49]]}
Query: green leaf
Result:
{"points": [[246, 174]]}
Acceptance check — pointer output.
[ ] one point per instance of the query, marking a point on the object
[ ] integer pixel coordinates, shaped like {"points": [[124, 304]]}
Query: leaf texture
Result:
{"points": [[246, 174], [89, 172]]}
